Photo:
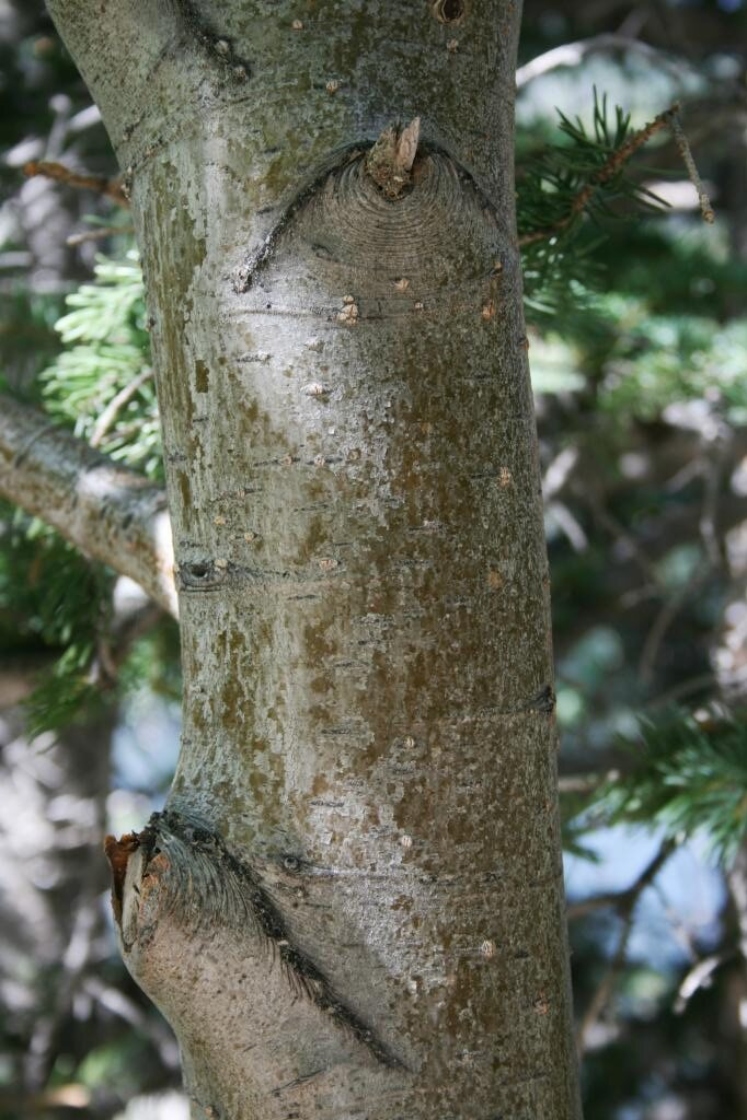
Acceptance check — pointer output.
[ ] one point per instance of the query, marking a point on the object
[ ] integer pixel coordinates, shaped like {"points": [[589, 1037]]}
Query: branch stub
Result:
{"points": [[390, 161]]}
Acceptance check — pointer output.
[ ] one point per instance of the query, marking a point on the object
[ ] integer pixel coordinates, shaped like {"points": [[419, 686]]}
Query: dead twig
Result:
{"points": [[110, 188], [625, 903], [97, 234], [115, 405]]}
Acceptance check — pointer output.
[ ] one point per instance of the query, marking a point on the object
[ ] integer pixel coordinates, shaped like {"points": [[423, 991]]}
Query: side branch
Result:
{"points": [[389, 163], [126, 61], [111, 514], [210, 886], [625, 903]]}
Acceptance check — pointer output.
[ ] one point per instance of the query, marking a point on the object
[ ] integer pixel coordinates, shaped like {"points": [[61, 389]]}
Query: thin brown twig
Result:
{"points": [[97, 234], [666, 618], [625, 903], [683, 147], [115, 405], [620, 157], [604, 991], [111, 188], [612, 167]]}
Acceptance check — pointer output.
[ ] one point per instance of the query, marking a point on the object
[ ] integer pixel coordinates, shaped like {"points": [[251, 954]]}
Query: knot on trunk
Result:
{"points": [[390, 161]]}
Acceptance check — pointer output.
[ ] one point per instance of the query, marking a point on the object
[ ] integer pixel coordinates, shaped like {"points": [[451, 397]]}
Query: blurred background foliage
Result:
{"points": [[638, 348]]}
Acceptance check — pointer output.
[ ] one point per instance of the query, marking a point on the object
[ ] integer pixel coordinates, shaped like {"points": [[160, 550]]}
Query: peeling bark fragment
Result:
{"points": [[118, 853]]}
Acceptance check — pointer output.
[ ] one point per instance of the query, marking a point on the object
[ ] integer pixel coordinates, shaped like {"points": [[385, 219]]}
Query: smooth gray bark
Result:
{"points": [[353, 905]]}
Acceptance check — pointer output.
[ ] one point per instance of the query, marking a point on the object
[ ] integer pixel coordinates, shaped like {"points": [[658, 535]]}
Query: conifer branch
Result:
{"points": [[686, 776], [108, 512], [609, 170]]}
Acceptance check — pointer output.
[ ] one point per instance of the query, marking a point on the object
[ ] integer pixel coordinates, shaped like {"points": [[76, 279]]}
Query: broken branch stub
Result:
{"points": [[390, 161]]}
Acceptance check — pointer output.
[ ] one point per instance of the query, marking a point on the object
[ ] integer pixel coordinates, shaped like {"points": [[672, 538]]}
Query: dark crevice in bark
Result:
{"points": [[449, 11], [209, 885], [218, 48]]}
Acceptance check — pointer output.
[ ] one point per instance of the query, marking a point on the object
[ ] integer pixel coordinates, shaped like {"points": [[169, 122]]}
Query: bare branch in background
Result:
{"points": [[572, 54], [624, 903]]}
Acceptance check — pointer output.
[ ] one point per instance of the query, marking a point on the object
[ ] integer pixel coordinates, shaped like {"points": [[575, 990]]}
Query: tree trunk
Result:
{"points": [[352, 905]]}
